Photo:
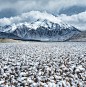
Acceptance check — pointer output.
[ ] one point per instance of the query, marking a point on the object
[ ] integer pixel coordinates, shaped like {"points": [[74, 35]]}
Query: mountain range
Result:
{"points": [[39, 30]]}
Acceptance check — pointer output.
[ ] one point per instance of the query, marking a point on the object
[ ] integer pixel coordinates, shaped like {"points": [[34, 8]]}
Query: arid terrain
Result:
{"points": [[9, 40]]}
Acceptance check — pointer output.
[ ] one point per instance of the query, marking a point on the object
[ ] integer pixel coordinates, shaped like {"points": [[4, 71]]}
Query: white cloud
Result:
{"points": [[78, 20], [42, 5], [5, 21], [28, 17]]}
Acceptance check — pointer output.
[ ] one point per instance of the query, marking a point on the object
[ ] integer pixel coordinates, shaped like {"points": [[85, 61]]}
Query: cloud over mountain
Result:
{"points": [[28, 17], [78, 20]]}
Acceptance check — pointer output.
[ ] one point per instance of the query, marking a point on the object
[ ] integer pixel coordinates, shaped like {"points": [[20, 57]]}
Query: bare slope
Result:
{"points": [[79, 37], [9, 40]]}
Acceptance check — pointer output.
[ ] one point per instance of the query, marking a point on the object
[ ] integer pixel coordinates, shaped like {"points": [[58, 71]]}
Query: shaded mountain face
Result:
{"points": [[79, 37], [8, 35], [42, 30]]}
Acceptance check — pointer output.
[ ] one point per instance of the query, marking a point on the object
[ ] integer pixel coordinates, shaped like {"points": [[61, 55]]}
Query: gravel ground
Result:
{"points": [[38, 64]]}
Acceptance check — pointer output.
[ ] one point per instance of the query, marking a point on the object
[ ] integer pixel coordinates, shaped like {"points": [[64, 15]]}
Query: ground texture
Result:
{"points": [[38, 64]]}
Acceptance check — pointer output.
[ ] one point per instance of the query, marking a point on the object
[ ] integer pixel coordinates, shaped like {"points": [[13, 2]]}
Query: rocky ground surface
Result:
{"points": [[38, 64]]}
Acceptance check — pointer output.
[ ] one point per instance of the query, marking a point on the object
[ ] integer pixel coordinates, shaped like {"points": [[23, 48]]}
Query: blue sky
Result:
{"points": [[69, 11]]}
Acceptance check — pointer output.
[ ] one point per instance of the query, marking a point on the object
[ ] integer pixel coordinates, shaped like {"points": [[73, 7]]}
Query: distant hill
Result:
{"points": [[81, 37]]}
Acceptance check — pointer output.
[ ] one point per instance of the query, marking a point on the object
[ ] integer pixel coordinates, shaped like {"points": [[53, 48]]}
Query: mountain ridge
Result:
{"points": [[42, 30]]}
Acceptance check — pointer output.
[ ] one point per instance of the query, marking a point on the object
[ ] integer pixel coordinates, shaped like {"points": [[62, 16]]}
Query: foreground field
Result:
{"points": [[34, 64]]}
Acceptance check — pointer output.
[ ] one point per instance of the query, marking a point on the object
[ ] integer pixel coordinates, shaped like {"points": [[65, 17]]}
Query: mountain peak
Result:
{"points": [[42, 29]]}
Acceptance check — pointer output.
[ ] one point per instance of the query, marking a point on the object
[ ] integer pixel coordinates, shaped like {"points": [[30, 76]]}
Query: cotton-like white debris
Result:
{"points": [[38, 64], [1, 82]]}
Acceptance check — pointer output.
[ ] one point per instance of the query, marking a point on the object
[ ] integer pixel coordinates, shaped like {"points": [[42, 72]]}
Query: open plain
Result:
{"points": [[43, 64]]}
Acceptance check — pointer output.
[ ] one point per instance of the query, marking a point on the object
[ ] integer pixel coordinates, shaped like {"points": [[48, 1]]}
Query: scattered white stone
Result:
{"points": [[36, 64]]}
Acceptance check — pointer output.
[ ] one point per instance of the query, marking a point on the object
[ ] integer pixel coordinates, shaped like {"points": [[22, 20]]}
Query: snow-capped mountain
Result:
{"points": [[43, 30]]}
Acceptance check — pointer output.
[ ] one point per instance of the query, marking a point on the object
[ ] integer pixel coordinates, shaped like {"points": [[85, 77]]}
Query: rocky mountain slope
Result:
{"points": [[41, 30], [81, 37]]}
